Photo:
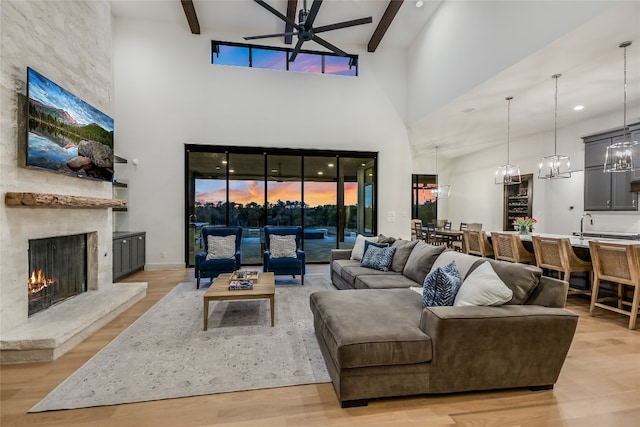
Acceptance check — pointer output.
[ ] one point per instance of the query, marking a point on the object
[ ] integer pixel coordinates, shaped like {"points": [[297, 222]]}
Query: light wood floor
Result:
{"points": [[599, 386]]}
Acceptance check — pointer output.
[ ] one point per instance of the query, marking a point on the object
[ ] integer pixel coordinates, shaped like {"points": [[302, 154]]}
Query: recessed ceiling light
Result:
{"points": [[419, 3], [578, 107], [231, 171], [320, 173], [224, 162], [330, 165], [274, 170]]}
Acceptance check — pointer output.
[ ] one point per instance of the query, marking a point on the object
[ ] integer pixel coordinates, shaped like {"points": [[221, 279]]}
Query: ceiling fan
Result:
{"points": [[305, 29]]}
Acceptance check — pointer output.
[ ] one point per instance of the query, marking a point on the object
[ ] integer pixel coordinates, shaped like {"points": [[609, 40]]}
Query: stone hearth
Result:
{"points": [[51, 333]]}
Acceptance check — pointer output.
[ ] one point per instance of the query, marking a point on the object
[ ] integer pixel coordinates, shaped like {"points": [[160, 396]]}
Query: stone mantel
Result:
{"points": [[43, 200]]}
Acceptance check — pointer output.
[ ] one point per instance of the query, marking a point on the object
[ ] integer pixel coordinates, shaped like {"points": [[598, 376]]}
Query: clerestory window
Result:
{"points": [[277, 58]]}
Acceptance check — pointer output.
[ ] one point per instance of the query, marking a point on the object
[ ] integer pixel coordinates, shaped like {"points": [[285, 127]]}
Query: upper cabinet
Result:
{"points": [[606, 191]]}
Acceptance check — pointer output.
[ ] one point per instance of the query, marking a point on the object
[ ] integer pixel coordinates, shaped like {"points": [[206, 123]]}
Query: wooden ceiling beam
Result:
{"points": [[292, 6], [383, 26], [190, 13]]}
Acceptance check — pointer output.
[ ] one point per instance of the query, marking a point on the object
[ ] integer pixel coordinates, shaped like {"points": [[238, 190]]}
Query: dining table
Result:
{"points": [[448, 236]]}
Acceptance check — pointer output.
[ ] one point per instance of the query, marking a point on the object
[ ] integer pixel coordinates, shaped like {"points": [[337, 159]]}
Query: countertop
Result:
{"points": [[575, 241]]}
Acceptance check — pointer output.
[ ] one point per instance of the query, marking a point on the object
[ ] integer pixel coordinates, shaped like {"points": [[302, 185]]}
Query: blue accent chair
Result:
{"points": [[281, 266], [213, 267]]}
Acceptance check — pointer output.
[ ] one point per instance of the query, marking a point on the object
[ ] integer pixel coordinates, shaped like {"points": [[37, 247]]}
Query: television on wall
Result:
{"points": [[66, 135]]}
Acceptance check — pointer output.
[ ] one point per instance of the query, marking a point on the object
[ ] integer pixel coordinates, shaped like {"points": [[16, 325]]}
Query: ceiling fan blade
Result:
{"points": [[344, 24], [270, 35], [296, 49], [278, 14], [328, 45], [313, 12]]}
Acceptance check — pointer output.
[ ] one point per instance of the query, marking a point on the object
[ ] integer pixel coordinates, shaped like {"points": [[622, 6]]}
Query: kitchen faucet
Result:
{"points": [[582, 221]]}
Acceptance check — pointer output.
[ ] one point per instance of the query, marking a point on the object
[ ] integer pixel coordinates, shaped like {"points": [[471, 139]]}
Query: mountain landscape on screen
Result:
{"points": [[67, 135]]}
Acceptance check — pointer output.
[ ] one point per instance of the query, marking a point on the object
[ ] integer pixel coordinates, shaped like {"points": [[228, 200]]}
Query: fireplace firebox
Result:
{"points": [[57, 270]]}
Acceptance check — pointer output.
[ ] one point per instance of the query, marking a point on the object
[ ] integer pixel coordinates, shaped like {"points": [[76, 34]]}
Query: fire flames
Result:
{"points": [[38, 282]]}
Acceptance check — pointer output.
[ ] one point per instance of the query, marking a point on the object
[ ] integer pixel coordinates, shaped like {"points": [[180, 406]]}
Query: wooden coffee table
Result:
{"points": [[264, 287]]}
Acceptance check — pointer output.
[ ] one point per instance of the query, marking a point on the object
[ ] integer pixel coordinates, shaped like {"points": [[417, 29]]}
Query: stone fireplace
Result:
{"points": [[45, 220], [57, 270]]}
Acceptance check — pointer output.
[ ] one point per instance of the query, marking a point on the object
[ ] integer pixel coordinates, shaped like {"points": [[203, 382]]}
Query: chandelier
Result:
{"points": [[620, 155], [553, 167], [508, 174]]}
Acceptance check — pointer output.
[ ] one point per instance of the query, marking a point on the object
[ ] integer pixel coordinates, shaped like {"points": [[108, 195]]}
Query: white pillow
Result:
{"points": [[282, 246], [358, 248], [221, 247], [483, 287]]}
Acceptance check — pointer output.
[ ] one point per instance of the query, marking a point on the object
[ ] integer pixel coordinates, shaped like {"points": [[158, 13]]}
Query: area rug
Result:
{"points": [[165, 354]]}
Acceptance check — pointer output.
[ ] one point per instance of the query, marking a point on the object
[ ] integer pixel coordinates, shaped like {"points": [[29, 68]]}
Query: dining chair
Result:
{"points": [[509, 247], [416, 229], [477, 226], [620, 264], [557, 254], [476, 243]]}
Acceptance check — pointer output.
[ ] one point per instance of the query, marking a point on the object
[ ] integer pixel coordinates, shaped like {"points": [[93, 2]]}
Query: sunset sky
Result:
{"points": [[316, 193], [276, 60]]}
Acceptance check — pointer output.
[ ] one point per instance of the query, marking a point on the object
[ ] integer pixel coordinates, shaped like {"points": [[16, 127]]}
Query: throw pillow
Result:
{"points": [[384, 239], [377, 245], [420, 261], [403, 250], [221, 247], [441, 286], [358, 248], [483, 287], [282, 246], [378, 258]]}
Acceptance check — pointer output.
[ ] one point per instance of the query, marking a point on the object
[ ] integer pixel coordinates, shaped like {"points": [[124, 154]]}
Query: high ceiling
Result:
{"points": [[588, 58]]}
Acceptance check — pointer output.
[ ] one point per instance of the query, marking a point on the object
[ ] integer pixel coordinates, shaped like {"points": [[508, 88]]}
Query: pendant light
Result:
{"points": [[620, 155], [552, 167], [508, 174], [441, 191]]}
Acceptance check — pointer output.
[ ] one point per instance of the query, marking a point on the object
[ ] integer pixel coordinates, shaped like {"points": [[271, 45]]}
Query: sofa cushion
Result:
{"points": [[420, 261], [338, 264], [522, 279], [483, 287], [385, 239], [403, 250], [464, 262], [388, 281], [391, 337], [441, 286], [377, 257], [351, 272], [358, 247]]}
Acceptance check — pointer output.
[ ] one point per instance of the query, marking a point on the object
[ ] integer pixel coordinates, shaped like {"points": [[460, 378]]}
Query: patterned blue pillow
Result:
{"points": [[441, 286], [378, 258], [377, 245]]}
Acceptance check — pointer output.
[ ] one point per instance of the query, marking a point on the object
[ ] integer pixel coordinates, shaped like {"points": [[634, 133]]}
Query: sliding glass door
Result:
{"points": [[332, 195]]}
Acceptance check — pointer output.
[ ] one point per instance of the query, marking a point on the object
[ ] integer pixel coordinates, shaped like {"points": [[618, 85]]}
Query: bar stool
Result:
{"points": [[618, 263], [509, 247], [476, 243], [557, 254]]}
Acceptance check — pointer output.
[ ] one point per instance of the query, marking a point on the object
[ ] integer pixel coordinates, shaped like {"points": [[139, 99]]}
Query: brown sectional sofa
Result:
{"points": [[378, 341]]}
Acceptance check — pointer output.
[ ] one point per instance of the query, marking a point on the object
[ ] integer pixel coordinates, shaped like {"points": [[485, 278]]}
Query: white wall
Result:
{"points": [[468, 42], [475, 198], [167, 93], [70, 43]]}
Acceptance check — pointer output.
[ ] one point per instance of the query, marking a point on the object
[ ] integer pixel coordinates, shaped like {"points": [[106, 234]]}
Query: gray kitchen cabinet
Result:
{"points": [[607, 191]]}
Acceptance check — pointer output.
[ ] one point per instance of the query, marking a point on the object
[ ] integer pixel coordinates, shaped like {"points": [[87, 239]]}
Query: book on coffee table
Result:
{"points": [[240, 285]]}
